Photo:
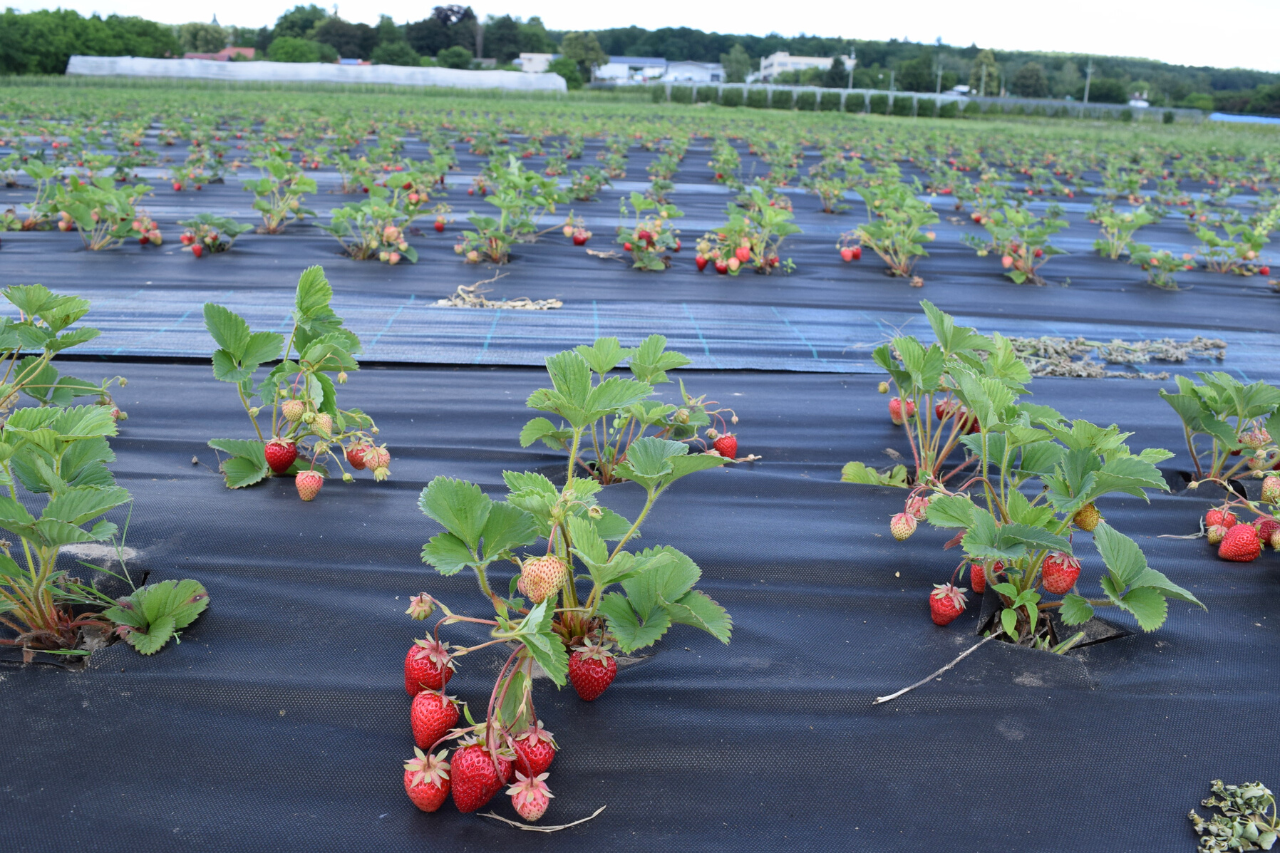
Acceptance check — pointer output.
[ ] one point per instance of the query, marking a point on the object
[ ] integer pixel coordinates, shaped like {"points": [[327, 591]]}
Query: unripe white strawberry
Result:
{"points": [[542, 577], [323, 424], [1271, 489], [902, 526], [1215, 533], [293, 410], [530, 796]]}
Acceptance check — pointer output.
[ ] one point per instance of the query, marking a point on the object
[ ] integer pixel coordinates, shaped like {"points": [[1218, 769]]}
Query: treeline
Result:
{"points": [[41, 42]]}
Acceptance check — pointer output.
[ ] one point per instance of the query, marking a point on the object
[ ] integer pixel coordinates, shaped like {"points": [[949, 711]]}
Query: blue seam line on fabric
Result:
{"points": [[138, 344], [391, 319], [706, 348], [497, 313], [798, 333]]}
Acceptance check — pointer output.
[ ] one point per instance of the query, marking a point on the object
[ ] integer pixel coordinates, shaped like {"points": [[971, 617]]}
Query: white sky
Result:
{"points": [[1240, 34]]}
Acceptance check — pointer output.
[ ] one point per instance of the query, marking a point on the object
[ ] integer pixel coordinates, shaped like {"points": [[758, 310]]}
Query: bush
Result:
{"points": [[830, 102], [758, 98], [973, 108], [879, 105], [902, 106], [658, 93], [454, 57], [950, 109], [855, 103], [289, 49], [806, 101], [568, 69], [1126, 115], [706, 95], [394, 53], [731, 98], [782, 99], [926, 107], [682, 94], [1167, 118]]}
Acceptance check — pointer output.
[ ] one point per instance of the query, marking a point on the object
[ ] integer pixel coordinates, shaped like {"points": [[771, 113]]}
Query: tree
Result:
{"points": [[568, 69], [585, 50], [991, 84], [202, 38], [350, 40], [737, 64], [428, 36], [454, 57], [299, 21], [534, 37], [1105, 90], [1030, 82], [837, 76], [389, 33], [395, 53], [502, 39], [290, 49], [916, 75]]}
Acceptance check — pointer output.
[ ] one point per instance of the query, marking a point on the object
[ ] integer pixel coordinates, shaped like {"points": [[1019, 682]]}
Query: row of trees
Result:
{"points": [[41, 42]]}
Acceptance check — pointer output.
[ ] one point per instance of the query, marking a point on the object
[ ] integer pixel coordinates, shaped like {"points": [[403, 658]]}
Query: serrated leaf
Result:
{"points": [[227, 328], [543, 644], [1122, 555], [457, 505], [242, 471], [541, 428], [950, 511], [313, 293], [447, 554], [1075, 610], [1147, 605], [626, 627], [507, 527], [697, 609], [604, 355]]}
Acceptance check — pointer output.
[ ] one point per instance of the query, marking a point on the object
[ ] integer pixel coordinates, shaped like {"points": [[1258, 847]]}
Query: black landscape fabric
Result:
{"points": [[280, 721]]}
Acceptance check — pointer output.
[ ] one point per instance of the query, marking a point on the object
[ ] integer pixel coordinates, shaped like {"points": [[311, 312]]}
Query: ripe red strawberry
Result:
{"points": [[591, 669], [426, 779], [439, 226], [846, 254], [722, 267], [530, 796], [541, 577], [857, 253], [700, 262], [1240, 545], [742, 253], [726, 445], [946, 602], [280, 454], [355, 456], [1058, 573], [896, 409], [978, 575], [308, 483], [197, 250], [1264, 270], [427, 665], [535, 750], [1226, 518], [1266, 527], [902, 526], [431, 716], [475, 778]]}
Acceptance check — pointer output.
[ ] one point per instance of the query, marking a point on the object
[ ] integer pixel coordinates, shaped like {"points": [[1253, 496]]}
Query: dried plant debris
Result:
{"points": [[1086, 359], [470, 296], [1246, 819]]}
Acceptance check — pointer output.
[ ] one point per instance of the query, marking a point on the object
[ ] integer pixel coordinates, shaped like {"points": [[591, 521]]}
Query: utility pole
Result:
{"points": [[1088, 76], [890, 81], [982, 87], [939, 88]]}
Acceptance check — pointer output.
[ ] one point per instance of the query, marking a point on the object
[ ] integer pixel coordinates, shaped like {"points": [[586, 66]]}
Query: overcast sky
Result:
{"points": [[1238, 34]]}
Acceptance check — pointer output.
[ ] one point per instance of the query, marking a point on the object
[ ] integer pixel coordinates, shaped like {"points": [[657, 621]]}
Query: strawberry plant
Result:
{"points": [[752, 238], [569, 601], [587, 182], [1118, 230], [652, 233], [299, 394], [104, 215], [1245, 819], [1159, 265], [1237, 251], [279, 192], [1021, 545], [373, 228], [1236, 420], [58, 455], [894, 231], [209, 233], [1021, 239], [829, 187]]}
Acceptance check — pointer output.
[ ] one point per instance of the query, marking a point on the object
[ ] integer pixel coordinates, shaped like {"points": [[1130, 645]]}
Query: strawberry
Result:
{"points": [[1266, 527], [431, 716], [1224, 517], [1264, 270], [308, 483], [535, 750], [700, 262], [722, 268], [918, 507], [1240, 545], [978, 575], [378, 458], [857, 253], [197, 250], [743, 254], [439, 226], [356, 454], [530, 796], [427, 665], [946, 602], [323, 424], [280, 455], [726, 445], [1087, 517], [902, 526], [1215, 534], [591, 669], [1058, 573], [1271, 489], [426, 779], [475, 778], [542, 577], [846, 254]]}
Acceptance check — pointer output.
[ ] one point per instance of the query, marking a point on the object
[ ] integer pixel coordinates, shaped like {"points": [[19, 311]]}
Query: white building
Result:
{"points": [[696, 72], [772, 66], [631, 69], [534, 63]]}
